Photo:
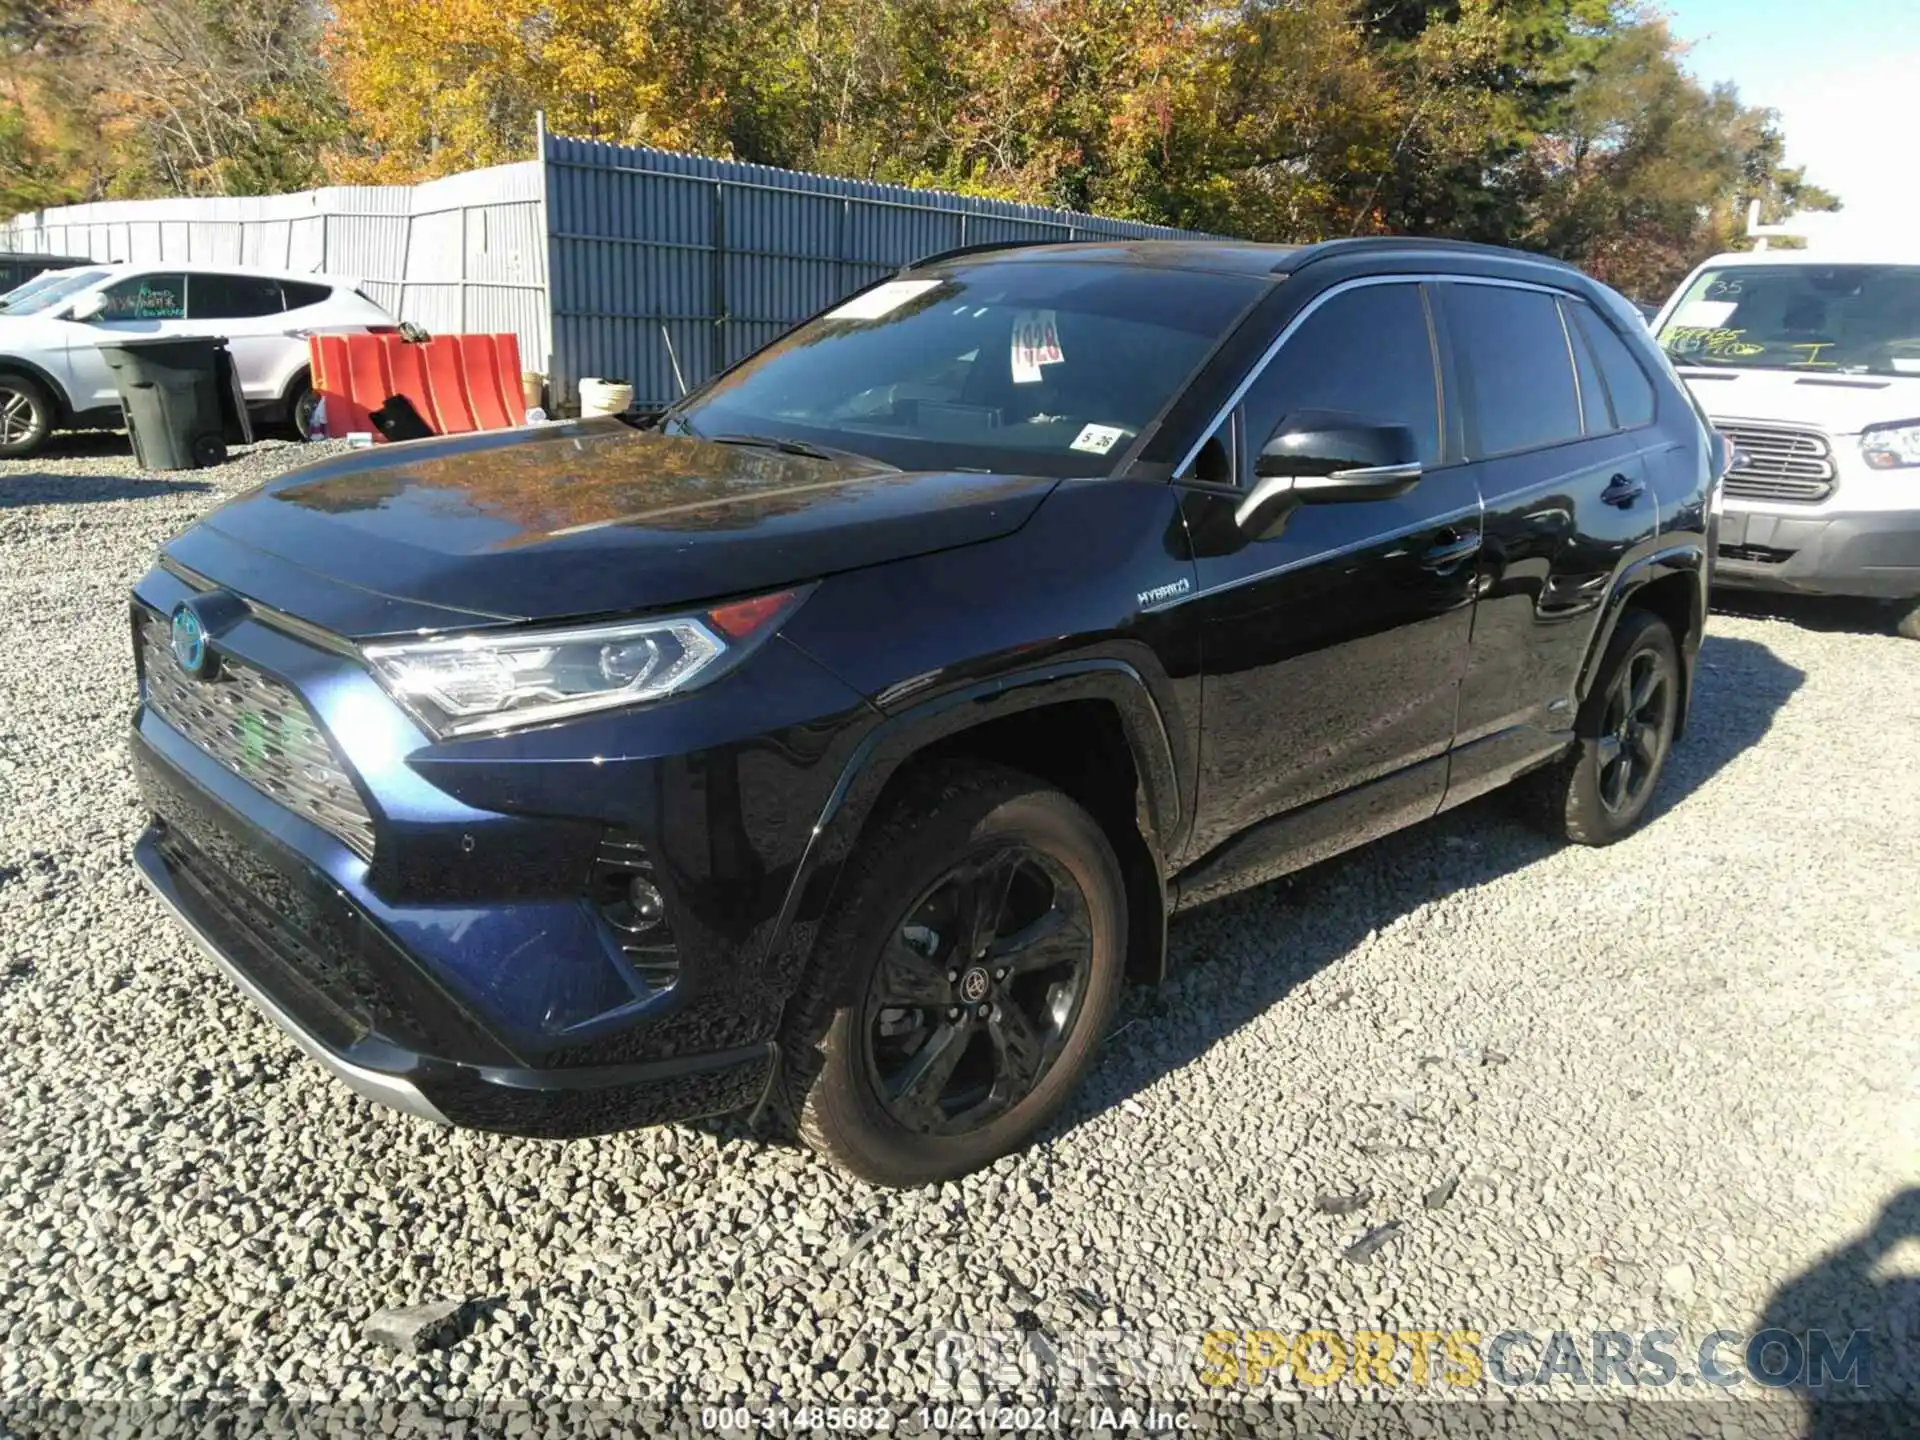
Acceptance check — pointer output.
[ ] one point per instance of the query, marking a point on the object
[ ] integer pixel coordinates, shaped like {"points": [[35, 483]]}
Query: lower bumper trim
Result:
{"points": [[389, 1090]]}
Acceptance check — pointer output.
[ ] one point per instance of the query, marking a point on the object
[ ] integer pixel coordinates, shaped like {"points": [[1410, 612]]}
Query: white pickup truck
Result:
{"points": [[1808, 361]]}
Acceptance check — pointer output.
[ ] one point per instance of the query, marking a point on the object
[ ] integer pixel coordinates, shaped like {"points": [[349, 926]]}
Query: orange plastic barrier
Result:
{"points": [[457, 383]]}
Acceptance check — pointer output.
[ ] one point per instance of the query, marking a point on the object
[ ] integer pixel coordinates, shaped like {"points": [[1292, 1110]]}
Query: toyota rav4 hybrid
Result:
{"points": [[53, 376], [836, 744]]}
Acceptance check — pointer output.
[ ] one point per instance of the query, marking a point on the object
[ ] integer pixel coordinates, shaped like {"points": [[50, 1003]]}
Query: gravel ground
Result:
{"points": [[1667, 1085]]}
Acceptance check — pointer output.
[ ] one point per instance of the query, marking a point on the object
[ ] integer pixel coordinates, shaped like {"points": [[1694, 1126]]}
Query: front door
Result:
{"points": [[138, 305], [1334, 641]]}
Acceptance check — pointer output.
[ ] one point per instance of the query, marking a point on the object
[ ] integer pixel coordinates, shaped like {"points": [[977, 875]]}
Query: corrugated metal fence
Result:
{"points": [[658, 257], [654, 257]]}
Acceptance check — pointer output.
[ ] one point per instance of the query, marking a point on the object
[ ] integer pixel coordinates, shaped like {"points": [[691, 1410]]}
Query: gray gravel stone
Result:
{"points": [[1694, 1048], [411, 1329]]}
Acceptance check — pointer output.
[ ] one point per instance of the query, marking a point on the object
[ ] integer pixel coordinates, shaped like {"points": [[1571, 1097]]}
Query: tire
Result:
{"points": [[1907, 623], [1587, 797], [996, 1049], [26, 415], [301, 400]]}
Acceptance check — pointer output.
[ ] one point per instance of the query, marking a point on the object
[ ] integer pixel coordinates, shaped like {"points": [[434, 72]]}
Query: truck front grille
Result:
{"points": [[1795, 466], [261, 731]]}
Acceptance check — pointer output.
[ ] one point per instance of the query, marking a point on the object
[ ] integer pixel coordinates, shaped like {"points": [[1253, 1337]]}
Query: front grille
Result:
{"points": [[261, 731], [1791, 465], [1756, 554]]}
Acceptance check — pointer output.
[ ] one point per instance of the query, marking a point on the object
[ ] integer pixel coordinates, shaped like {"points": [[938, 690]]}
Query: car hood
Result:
{"points": [[588, 518], [1837, 404]]}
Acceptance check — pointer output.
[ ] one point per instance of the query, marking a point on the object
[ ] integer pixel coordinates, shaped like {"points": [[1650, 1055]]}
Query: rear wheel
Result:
{"points": [[1600, 792], [982, 936], [302, 401], [26, 415]]}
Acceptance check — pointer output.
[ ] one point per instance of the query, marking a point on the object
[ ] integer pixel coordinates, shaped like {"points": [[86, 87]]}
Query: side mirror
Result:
{"points": [[1317, 457], [1721, 452], [88, 307]]}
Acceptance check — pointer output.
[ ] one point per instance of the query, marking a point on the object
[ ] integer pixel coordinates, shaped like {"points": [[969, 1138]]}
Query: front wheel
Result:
{"points": [[1624, 732], [980, 947]]}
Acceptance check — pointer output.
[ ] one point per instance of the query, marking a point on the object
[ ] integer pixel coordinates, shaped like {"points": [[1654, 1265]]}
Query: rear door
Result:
{"points": [[1566, 496], [249, 311], [1335, 642]]}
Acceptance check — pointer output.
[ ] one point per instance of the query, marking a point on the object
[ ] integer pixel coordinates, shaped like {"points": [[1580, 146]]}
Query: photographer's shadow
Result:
{"points": [[1853, 1292]]}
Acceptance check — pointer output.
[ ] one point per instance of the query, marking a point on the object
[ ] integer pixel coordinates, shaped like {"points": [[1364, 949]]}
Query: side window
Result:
{"points": [[147, 297], [1627, 383], [1367, 351], [1516, 367], [231, 297], [301, 294]]}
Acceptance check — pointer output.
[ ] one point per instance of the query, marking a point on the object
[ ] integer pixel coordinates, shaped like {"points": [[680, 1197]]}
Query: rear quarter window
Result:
{"points": [[301, 293], [1628, 387]]}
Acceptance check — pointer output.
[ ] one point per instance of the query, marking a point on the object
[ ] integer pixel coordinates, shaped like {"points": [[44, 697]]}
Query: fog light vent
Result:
{"points": [[632, 907]]}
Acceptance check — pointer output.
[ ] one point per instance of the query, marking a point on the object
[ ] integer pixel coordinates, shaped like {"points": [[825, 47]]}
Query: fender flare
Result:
{"points": [[1688, 558], [63, 406], [904, 734]]}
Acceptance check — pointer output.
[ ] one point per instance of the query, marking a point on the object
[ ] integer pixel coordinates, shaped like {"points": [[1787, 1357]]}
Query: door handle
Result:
{"points": [[1449, 553], [1622, 490]]}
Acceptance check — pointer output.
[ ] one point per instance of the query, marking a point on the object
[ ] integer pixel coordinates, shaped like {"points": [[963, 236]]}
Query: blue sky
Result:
{"points": [[1842, 74]]}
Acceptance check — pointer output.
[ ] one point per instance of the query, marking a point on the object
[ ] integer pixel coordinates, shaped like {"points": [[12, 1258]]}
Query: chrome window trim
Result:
{"points": [[1358, 282]]}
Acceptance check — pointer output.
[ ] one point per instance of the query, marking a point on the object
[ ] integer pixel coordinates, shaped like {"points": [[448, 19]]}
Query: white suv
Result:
{"points": [[52, 376], [1808, 361]]}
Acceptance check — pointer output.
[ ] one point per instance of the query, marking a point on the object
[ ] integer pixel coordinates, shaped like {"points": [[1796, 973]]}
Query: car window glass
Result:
{"points": [[146, 297], [231, 297], [300, 293], [1593, 391], [1627, 383], [1367, 352], [1517, 366]]}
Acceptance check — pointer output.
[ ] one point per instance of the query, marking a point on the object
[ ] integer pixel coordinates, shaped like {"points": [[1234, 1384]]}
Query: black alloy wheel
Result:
{"points": [[1636, 730], [977, 990], [963, 981]]}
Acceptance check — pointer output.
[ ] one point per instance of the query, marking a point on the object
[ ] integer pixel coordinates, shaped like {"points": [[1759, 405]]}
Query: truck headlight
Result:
{"points": [[1892, 447], [504, 679]]}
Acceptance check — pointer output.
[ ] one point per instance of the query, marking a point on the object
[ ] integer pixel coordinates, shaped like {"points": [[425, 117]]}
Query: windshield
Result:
{"points": [[1850, 319], [1048, 368], [45, 291]]}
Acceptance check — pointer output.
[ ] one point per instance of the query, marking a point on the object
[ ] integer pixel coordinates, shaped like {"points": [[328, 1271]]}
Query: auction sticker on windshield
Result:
{"points": [[1036, 342], [882, 300]]}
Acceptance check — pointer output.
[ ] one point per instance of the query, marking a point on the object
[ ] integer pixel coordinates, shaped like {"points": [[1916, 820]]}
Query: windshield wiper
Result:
{"points": [[797, 447]]}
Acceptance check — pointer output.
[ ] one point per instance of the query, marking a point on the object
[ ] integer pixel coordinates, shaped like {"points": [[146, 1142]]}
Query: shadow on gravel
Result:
{"points": [[30, 488], [1853, 1291], [1829, 614], [1319, 915]]}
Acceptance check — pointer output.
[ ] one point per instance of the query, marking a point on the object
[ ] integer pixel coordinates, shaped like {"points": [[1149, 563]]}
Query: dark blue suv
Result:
{"points": [[837, 743]]}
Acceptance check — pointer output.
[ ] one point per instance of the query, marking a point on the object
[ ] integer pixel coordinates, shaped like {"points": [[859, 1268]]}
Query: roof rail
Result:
{"points": [[1329, 249], [984, 247]]}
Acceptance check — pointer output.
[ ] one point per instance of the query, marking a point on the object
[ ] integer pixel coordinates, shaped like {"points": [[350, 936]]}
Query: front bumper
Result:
{"points": [[367, 1012], [1873, 553]]}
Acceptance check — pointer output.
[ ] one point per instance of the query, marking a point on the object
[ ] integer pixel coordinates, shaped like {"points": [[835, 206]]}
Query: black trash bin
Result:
{"points": [[181, 399]]}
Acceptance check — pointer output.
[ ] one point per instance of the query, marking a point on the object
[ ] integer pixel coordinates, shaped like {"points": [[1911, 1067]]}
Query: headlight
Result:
{"points": [[1892, 447], [504, 679]]}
